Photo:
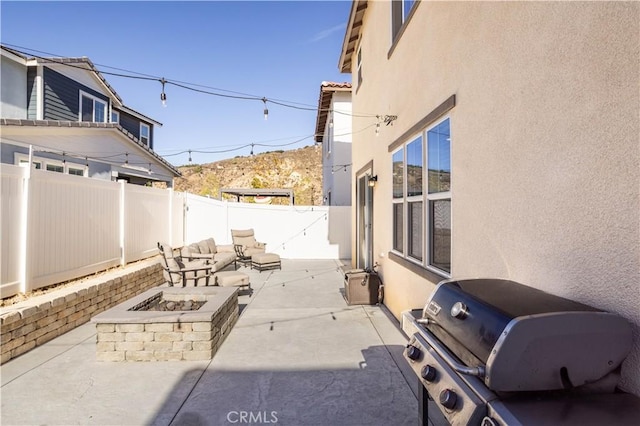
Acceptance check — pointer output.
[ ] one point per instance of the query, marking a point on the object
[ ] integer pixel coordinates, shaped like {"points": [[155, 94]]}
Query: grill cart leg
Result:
{"points": [[423, 403]]}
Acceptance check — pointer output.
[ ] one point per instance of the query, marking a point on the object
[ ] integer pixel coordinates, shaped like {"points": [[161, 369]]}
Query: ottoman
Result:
{"points": [[232, 279], [264, 261]]}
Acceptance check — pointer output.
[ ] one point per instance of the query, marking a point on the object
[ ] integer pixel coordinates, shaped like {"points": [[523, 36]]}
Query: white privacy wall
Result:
{"points": [[293, 232], [57, 227]]}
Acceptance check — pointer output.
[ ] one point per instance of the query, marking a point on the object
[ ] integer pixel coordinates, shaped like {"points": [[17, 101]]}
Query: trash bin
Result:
{"points": [[362, 287]]}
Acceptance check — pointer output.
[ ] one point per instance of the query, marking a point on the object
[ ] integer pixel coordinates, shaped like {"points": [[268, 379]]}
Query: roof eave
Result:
{"points": [[352, 34], [327, 89], [78, 124]]}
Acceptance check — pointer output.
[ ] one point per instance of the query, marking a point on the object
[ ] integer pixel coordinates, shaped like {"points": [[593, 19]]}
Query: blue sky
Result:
{"points": [[278, 50]]}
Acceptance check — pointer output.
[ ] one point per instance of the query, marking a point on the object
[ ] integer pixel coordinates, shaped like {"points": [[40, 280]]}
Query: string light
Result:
{"points": [[266, 110], [163, 96], [189, 86], [331, 119]]}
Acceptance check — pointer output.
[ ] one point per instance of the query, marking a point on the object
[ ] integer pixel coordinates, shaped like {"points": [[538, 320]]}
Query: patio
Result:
{"points": [[297, 355]]}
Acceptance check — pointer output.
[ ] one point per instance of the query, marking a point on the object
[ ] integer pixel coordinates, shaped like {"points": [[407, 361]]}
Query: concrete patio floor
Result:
{"points": [[298, 355]]}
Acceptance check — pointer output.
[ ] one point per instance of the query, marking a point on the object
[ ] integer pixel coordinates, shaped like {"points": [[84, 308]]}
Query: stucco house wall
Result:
{"points": [[545, 145], [337, 161]]}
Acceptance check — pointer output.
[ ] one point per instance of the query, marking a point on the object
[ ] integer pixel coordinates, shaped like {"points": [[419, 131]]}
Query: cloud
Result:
{"points": [[326, 33]]}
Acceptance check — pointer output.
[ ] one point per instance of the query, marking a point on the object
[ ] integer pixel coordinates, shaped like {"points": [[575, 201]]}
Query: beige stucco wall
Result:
{"points": [[545, 144]]}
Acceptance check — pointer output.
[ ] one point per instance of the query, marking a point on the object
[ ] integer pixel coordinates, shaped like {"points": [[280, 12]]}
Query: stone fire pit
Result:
{"points": [[128, 332]]}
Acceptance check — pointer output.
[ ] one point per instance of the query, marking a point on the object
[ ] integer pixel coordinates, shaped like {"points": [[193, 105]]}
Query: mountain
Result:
{"points": [[298, 169]]}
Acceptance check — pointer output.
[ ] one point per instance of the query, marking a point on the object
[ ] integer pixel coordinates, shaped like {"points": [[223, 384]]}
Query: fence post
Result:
{"points": [[25, 267], [122, 222], [170, 225]]}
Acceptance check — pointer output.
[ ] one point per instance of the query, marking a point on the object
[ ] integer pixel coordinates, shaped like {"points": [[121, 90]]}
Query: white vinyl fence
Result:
{"points": [[57, 227], [294, 232]]}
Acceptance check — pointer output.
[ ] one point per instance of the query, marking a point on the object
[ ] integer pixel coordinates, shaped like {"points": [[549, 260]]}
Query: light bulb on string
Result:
{"points": [[331, 119], [163, 96], [266, 110], [190, 157]]}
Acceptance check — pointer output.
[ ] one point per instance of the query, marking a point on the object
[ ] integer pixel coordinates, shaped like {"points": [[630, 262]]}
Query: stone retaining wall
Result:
{"points": [[26, 327]]}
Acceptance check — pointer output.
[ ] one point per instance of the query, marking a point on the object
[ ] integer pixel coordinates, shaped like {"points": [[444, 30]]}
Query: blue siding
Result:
{"points": [[32, 94], [132, 125], [62, 96]]}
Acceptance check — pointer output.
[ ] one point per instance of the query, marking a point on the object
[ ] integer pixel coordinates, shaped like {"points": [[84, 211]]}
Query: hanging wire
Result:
{"points": [[185, 85]]}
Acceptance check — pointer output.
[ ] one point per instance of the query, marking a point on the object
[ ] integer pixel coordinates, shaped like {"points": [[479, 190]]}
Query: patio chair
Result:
{"points": [[177, 271], [241, 257], [219, 257], [245, 244]]}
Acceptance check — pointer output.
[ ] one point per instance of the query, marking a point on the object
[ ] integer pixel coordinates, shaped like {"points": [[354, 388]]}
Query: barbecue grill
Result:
{"points": [[495, 352]]}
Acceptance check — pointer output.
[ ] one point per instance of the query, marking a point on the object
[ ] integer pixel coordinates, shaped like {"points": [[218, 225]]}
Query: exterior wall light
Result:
{"points": [[372, 180]]}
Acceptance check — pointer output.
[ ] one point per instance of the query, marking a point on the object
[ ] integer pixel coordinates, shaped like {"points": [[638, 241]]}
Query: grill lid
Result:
{"points": [[527, 339]]}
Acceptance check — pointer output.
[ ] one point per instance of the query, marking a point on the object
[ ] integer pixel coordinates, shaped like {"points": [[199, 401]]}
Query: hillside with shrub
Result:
{"points": [[298, 169]]}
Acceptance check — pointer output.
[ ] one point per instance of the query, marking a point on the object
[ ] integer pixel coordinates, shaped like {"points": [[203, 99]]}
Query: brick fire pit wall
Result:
{"points": [[127, 335]]}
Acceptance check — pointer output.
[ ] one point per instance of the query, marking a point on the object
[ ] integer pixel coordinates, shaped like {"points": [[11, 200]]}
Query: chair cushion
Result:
{"points": [[204, 247], [250, 251], [261, 258], [211, 243], [244, 237], [186, 251], [231, 278], [245, 241], [242, 233]]}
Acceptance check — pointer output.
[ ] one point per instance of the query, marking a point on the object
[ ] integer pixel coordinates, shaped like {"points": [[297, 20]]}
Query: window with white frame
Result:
{"points": [[400, 12], [422, 203], [115, 117], [398, 200], [76, 170], [144, 133], [51, 165], [54, 166], [23, 161], [92, 109]]}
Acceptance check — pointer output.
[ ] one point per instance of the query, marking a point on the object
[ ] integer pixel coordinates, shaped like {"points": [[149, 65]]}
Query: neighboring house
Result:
{"points": [[75, 122], [515, 152], [333, 131]]}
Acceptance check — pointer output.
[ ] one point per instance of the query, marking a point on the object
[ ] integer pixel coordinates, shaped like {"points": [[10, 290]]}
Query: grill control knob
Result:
{"points": [[459, 310], [428, 373], [413, 353], [448, 399]]}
